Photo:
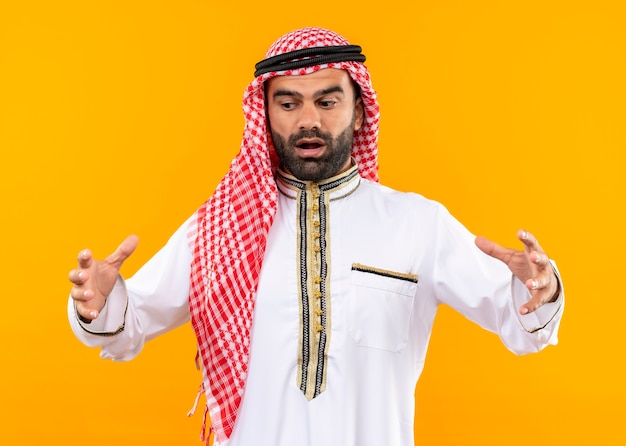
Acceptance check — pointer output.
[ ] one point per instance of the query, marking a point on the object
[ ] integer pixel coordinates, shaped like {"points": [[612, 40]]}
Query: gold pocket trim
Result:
{"points": [[409, 277]]}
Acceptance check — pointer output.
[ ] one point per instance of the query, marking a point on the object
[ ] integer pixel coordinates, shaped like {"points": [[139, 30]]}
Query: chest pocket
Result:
{"points": [[380, 306]]}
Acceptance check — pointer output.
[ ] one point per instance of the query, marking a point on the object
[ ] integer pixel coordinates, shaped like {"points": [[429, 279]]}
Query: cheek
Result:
{"points": [[277, 122]]}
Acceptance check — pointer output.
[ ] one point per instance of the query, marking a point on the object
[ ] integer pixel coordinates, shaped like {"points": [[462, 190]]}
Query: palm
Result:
{"points": [[94, 279]]}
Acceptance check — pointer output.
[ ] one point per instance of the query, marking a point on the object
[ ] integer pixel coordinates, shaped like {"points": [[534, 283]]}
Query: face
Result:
{"points": [[312, 119]]}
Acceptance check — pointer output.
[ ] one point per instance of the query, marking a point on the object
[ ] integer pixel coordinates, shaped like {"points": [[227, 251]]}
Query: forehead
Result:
{"points": [[307, 83]]}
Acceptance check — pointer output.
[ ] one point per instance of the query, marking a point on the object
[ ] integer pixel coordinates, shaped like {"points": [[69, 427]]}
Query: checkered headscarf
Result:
{"points": [[232, 228]]}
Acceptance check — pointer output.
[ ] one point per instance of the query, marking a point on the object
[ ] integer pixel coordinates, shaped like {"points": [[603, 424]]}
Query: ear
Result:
{"points": [[359, 113]]}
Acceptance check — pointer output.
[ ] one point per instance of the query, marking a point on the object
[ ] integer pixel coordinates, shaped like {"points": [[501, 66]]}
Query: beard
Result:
{"points": [[332, 161]]}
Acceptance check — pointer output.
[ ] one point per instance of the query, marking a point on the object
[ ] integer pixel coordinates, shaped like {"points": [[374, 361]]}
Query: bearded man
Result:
{"points": [[312, 289]]}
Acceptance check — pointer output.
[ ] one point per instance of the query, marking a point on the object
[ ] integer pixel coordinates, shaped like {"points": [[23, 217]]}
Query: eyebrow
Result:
{"points": [[317, 94]]}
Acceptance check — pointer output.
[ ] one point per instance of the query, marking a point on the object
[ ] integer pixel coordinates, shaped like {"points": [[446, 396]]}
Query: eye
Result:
{"points": [[327, 103], [287, 105]]}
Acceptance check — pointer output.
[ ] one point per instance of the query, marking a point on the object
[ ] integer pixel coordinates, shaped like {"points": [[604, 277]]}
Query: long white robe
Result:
{"points": [[392, 259]]}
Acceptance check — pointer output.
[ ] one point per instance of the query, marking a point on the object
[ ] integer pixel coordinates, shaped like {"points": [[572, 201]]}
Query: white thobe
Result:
{"points": [[392, 258]]}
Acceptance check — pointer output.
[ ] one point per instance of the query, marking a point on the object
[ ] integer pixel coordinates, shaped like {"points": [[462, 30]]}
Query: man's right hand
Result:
{"points": [[94, 279]]}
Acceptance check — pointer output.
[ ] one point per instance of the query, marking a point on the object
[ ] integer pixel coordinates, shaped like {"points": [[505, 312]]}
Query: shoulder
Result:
{"points": [[406, 201]]}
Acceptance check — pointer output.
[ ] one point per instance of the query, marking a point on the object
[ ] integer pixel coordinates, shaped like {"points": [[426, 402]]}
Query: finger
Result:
{"points": [[85, 313], [540, 259], [529, 240], [538, 300], [540, 282], [78, 276], [545, 279], [85, 258], [530, 306], [81, 294], [543, 289], [492, 249], [123, 251]]}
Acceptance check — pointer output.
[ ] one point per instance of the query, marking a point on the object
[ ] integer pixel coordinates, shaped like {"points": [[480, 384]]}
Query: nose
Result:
{"points": [[309, 117]]}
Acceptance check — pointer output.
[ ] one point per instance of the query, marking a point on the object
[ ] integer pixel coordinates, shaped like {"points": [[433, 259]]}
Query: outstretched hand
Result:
{"points": [[94, 279], [532, 266]]}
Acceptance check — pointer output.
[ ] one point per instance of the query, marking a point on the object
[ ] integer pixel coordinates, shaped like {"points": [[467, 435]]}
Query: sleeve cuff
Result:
{"points": [[112, 317], [545, 314]]}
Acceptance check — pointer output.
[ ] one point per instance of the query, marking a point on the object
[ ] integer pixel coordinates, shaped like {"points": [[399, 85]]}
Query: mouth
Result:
{"points": [[310, 147]]}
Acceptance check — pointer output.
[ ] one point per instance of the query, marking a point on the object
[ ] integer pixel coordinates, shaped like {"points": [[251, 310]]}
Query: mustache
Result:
{"points": [[310, 133]]}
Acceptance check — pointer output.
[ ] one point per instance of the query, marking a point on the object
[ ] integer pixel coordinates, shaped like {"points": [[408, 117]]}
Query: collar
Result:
{"points": [[335, 187]]}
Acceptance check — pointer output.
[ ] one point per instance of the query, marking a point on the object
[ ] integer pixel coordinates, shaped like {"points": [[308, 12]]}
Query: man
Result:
{"points": [[311, 288]]}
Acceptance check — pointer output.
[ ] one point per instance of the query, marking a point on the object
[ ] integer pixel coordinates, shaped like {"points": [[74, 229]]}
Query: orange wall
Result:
{"points": [[122, 116]]}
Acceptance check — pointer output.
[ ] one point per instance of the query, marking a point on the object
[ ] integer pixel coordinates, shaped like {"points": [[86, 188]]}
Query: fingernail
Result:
{"points": [[524, 235], [80, 275], [524, 310], [535, 284], [93, 314]]}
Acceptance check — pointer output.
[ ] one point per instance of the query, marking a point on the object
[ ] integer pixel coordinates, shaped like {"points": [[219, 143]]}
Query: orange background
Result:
{"points": [[120, 117]]}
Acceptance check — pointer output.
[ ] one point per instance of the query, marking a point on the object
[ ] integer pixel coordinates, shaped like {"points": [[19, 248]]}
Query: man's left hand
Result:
{"points": [[532, 266]]}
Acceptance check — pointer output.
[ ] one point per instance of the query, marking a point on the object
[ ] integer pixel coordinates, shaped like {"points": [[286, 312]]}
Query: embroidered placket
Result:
{"points": [[314, 266]]}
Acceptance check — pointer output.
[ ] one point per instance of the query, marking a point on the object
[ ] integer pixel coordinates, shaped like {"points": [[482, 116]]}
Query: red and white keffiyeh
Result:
{"points": [[232, 228]]}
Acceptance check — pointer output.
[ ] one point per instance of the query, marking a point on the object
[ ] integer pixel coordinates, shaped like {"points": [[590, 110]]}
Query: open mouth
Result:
{"points": [[310, 144]]}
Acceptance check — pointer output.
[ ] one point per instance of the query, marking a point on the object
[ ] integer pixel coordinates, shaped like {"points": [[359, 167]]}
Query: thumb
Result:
{"points": [[123, 251], [492, 249]]}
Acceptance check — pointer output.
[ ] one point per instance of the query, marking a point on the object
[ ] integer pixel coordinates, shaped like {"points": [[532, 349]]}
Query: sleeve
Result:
{"points": [[152, 302], [485, 291]]}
